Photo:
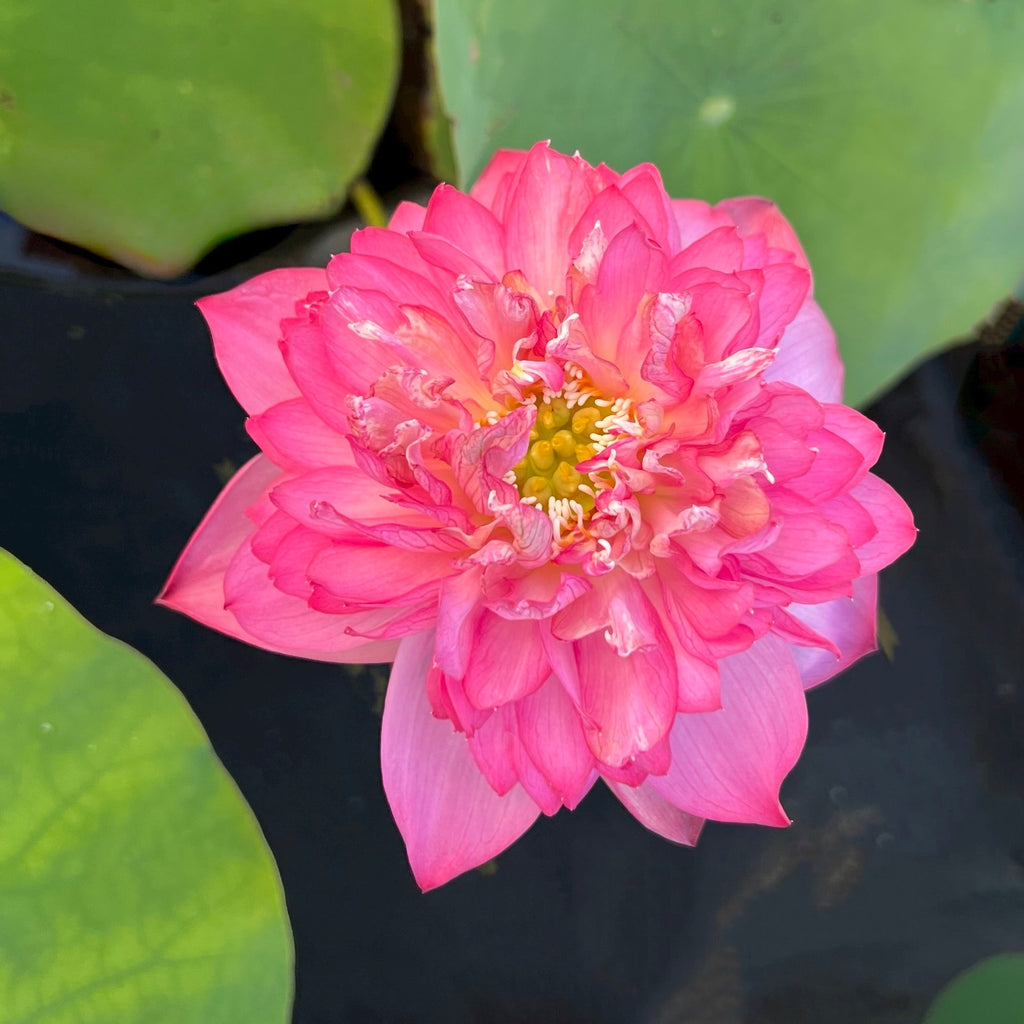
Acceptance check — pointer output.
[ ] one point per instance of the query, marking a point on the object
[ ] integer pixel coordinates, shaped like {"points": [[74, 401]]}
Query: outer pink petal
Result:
{"points": [[218, 560], [459, 611], [849, 623], [367, 574], [632, 267], [304, 348], [246, 326], [493, 186], [756, 216], [643, 187], [728, 764], [450, 818], [196, 584], [653, 811], [808, 357], [695, 218], [894, 520], [468, 225], [348, 491]]}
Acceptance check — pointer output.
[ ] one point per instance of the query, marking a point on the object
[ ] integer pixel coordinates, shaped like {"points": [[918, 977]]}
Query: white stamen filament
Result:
{"points": [[565, 515]]}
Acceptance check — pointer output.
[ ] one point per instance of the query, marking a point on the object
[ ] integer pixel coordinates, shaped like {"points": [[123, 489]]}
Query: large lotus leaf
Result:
{"points": [[991, 992], [149, 131], [891, 132], [134, 883]]}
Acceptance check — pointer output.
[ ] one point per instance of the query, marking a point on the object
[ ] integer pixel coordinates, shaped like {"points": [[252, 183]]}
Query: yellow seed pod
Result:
{"points": [[584, 452], [564, 444], [565, 481], [542, 456], [538, 487], [553, 415], [583, 421]]}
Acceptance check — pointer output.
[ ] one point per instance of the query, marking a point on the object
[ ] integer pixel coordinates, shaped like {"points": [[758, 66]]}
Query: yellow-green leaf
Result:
{"points": [[148, 132], [135, 885]]}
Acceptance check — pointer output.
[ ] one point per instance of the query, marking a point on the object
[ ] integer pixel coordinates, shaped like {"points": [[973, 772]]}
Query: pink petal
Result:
{"points": [[547, 199], [506, 662], [857, 430], [470, 226], [631, 700], [346, 489], [404, 277], [782, 296], [695, 218], [533, 781], [459, 611], [378, 574], [448, 700], [894, 520], [305, 352], [756, 216], [196, 584], [449, 816], [493, 745], [614, 212], [295, 437], [632, 267], [807, 355], [850, 623], [408, 216], [721, 249], [654, 812], [281, 622], [494, 185], [728, 764], [643, 187], [552, 735], [246, 326]]}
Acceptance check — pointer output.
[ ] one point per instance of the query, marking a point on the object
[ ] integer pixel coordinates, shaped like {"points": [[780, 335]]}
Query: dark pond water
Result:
{"points": [[906, 862]]}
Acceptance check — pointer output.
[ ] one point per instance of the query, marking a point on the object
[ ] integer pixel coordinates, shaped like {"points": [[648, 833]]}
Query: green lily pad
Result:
{"points": [[990, 992], [888, 131], [148, 132], [134, 883]]}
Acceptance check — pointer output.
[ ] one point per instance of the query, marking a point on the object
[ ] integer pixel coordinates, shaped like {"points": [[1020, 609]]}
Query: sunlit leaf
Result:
{"points": [[889, 131], [148, 132], [134, 883]]}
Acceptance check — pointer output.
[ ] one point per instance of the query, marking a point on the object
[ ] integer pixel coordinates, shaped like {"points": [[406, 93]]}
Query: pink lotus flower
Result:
{"points": [[572, 454]]}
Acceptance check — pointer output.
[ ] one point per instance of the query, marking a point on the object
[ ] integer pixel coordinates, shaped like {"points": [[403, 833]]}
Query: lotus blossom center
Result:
{"points": [[572, 427]]}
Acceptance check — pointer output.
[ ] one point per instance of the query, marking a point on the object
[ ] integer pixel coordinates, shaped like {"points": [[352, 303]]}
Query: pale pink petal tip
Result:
{"points": [[246, 326], [450, 818]]}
